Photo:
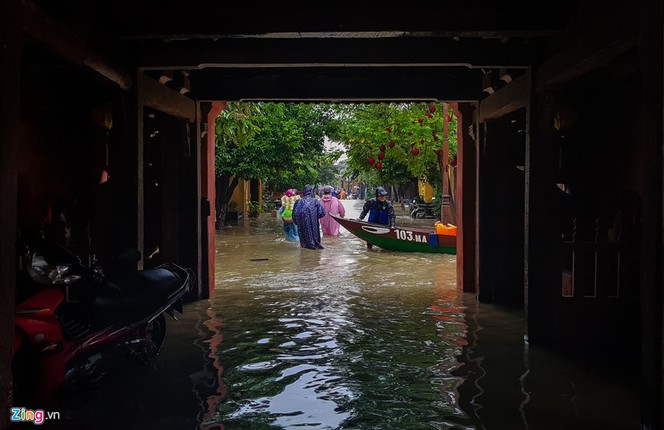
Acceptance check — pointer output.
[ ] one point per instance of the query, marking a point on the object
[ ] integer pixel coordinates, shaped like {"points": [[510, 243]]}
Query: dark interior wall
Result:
{"points": [[169, 191], [501, 210], [62, 154], [601, 158], [160, 188], [78, 168], [188, 186], [600, 145]]}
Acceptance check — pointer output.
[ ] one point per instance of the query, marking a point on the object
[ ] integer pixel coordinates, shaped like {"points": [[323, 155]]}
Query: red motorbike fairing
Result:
{"points": [[36, 318], [38, 327]]}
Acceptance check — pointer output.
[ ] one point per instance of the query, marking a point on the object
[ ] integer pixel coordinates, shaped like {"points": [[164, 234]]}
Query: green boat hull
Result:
{"points": [[403, 239]]}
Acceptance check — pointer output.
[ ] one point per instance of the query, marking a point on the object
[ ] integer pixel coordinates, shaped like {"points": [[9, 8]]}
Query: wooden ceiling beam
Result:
{"points": [[509, 98], [337, 84], [166, 100], [64, 42], [201, 18], [377, 52], [68, 45], [593, 49]]}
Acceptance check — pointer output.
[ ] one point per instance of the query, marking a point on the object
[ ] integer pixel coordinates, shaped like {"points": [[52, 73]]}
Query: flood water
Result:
{"points": [[348, 338]]}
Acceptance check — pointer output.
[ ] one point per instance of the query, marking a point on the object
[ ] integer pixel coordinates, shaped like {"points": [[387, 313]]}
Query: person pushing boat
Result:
{"points": [[380, 210]]}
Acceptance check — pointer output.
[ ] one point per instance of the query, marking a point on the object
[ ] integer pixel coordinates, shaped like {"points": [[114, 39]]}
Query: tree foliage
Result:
{"points": [[280, 143], [393, 143], [283, 143]]}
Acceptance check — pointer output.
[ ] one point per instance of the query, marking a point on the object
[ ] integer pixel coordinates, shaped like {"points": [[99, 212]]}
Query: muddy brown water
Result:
{"points": [[346, 338]]}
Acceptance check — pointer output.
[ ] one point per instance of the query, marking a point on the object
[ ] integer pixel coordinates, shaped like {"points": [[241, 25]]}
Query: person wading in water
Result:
{"points": [[306, 213], [332, 206]]}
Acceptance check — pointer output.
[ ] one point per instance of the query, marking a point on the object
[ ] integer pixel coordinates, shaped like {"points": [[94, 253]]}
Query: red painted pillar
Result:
{"points": [[466, 199], [208, 187], [445, 212]]}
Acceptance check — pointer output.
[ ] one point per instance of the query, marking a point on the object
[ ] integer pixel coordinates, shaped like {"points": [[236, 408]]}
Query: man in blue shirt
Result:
{"points": [[380, 210]]}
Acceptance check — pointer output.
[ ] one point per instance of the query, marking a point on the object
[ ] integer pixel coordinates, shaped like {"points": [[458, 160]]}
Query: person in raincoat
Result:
{"points": [[306, 213], [286, 214], [380, 210], [332, 206]]}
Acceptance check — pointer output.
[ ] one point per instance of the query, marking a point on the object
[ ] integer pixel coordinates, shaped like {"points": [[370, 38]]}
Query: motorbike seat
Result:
{"points": [[139, 290]]}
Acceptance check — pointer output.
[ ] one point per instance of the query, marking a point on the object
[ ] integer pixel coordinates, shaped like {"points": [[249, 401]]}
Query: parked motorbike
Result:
{"points": [[72, 320], [423, 210]]}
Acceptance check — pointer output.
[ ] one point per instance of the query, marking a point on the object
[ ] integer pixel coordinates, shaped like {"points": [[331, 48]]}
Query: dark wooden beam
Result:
{"points": [[66, 43], [60, 39], [259, 17], [166, 100], [337, 84], [593, 49], [507, 99], [348, 52]]}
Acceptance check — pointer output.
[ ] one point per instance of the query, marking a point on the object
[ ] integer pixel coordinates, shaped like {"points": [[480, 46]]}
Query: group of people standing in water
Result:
{"points": [[305, 216]]}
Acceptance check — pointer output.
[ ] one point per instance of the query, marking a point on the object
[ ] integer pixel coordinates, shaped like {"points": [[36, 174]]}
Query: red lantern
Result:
{"points": [[379, 166], [381, 156], [391, 144], [382, 148], [415, 151], [370, 160]]}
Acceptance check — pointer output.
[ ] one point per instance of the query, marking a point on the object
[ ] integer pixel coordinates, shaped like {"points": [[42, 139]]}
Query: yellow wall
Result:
{"points": [[425, 190], [241, 196]]}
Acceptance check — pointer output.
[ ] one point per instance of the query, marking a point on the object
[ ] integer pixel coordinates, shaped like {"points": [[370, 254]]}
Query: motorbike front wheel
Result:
{"points": [[418, 214]]}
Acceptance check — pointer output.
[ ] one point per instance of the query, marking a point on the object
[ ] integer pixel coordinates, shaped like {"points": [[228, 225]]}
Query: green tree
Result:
{"points": [[233, 128], [281, 144], [394, 143]]}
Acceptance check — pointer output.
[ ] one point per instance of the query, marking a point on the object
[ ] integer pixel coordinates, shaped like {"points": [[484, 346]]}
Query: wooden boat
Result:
{"points": [[405, 239]]}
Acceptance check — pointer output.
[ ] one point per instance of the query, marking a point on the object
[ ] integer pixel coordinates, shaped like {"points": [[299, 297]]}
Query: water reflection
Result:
{"points": [[347, 338], [337, 338]]}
